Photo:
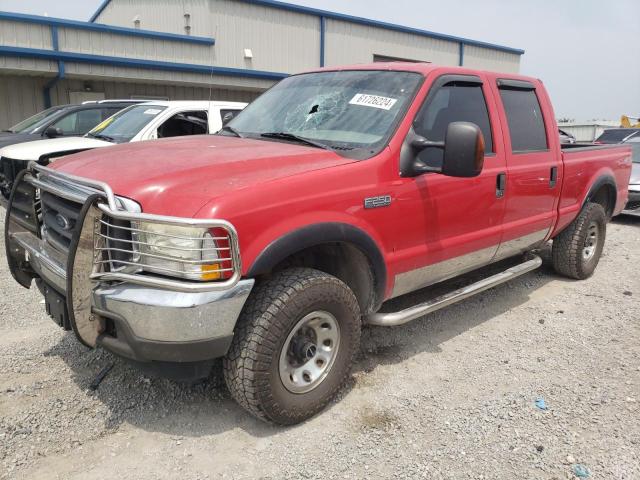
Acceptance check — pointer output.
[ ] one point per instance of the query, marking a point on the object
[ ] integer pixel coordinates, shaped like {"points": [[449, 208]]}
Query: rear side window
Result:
{"points": [[524, 115], [79, 122]]}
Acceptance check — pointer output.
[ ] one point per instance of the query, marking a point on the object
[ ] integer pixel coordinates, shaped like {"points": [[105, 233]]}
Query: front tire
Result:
{"points": [[294, 346], [577, 250]]}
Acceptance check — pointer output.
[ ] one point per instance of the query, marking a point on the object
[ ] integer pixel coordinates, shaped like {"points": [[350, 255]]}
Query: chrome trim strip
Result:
{"points": [[425, 276], [47, 187], [519, 245], [159, 282], [73, 179], [413, 280], [417, 311]]}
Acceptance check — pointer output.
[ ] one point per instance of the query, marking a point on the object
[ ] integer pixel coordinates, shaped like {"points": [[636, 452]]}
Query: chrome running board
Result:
{"points": [[393, 319]]}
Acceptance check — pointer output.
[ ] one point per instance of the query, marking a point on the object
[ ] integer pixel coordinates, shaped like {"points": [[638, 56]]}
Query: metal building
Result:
{"points": [[231, 49]]}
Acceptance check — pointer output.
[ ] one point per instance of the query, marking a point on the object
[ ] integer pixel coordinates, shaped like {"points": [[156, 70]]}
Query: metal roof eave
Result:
{"points": [[99, 27], [361, 21], [56, 55]]}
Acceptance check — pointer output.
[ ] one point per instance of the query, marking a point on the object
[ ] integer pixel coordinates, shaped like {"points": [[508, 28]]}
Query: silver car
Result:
{"points": [[633, 205], [566, 138]]}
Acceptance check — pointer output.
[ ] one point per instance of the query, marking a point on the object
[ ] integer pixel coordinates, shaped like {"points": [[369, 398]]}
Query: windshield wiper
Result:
{"points": [[228, 128], [102, 137], [295, 138]]}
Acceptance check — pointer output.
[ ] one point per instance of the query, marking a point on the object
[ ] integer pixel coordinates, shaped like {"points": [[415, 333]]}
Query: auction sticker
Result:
{"points": [[374, 101], [152, 111]]}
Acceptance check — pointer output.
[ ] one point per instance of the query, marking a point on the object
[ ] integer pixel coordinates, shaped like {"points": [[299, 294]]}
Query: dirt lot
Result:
{"points": [[448, 396]]}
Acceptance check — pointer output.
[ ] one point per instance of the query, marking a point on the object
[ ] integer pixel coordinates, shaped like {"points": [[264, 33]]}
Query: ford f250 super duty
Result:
{"points": [[271, 243]]}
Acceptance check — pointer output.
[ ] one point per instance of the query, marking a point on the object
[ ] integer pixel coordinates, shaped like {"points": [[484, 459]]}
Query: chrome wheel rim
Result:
{"points": [[309, 352], [591, 242]]}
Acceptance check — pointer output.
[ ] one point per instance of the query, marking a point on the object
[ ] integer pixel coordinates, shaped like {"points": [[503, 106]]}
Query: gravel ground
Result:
{"points": [[448, 396]]}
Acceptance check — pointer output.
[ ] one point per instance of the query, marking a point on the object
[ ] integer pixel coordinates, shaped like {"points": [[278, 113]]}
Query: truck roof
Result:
{"points": [[420, 67]]}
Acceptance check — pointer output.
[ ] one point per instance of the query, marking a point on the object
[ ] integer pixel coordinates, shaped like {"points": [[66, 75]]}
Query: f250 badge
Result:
{"points": [[377, 202]]}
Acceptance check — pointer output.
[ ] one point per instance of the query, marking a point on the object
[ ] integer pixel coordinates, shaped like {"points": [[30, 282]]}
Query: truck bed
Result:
{"points": [[582, 161]]}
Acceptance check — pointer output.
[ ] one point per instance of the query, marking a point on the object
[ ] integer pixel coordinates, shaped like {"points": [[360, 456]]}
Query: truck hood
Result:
{"points": [[35, 150], [178, 176]]}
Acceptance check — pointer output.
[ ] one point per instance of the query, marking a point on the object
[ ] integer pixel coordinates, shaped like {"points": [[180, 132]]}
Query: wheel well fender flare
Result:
{"points": [[318, 234], [601, 181]]}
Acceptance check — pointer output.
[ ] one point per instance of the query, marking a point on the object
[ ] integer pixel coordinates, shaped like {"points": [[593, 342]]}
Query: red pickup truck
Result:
{"points": [[271, 243]]}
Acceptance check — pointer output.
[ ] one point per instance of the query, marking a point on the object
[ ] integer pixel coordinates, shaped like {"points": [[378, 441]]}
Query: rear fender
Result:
{"points": [[609, 180]]}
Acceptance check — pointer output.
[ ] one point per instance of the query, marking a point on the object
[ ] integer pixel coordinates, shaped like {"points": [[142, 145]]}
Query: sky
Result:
{"points": [[587, 52]]}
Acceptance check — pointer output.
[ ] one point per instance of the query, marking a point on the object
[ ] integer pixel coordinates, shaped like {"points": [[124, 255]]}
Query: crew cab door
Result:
{"points": [[447, 226], [533, 165]]}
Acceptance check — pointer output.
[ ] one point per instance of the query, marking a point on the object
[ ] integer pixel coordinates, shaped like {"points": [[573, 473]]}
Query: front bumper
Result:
{"points": [[149, 324], [633, 204]]}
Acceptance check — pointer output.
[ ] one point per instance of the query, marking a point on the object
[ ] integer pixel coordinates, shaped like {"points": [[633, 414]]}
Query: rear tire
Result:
{"points": [[577, 250], [294, 346]]}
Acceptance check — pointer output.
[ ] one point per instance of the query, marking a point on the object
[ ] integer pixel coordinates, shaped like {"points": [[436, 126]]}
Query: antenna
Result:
{"points": [[210, 89]]}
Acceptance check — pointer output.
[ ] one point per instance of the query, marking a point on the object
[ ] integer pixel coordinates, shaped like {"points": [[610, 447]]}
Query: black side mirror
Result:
{"points": [[463, 152], [53, 132]]}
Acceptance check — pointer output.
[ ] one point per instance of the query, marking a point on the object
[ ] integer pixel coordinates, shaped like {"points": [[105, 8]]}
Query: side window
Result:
{"points": [[108, 112], [453, 102], [80, 122], [524, 115], [184, 123], [226, 115]]}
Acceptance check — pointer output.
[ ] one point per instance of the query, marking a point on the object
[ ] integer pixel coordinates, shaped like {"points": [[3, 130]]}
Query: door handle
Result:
{"points": [[501, 184], [553, 178]]}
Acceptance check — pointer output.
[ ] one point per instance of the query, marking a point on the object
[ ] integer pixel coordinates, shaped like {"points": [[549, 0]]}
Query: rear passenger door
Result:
{"points": [[533, 166]]}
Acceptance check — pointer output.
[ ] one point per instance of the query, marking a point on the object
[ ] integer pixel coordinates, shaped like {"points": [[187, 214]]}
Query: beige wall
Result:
{"points": [[489, 59], [21, 96], [349, 43]]}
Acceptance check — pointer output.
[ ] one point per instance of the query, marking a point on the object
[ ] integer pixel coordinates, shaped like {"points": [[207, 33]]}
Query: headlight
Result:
{"points": [[189, 252]]}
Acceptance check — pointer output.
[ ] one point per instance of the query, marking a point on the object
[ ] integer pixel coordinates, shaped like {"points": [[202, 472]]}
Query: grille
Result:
{"points": [[25, 209], [9, 170], [59, 218]]}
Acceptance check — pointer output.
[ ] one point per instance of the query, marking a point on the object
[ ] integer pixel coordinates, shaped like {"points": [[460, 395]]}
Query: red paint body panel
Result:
{"points": [[267, 189], [178, 176], [582, 169]]}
